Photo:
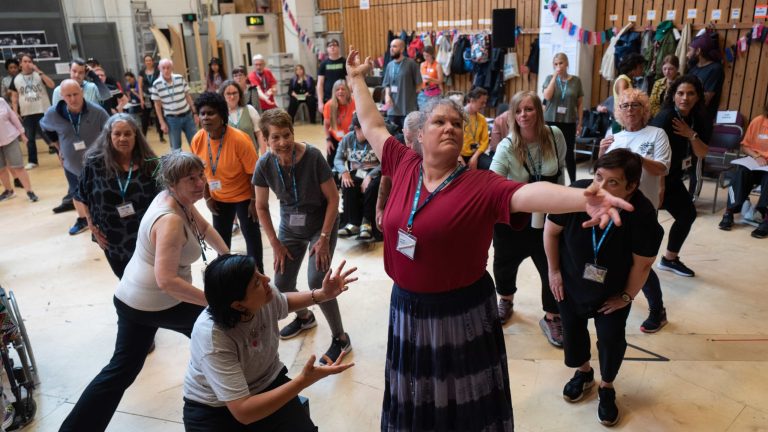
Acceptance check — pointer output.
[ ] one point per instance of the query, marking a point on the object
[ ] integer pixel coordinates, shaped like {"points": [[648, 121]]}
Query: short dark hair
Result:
{"points": [[476, 93], [239, 70], [226, 280], [332, 41], [276, 117], [129, 74], [630, 62], [232, 83], [215, 101], [631, 163], [10, 61], [77, 60]]}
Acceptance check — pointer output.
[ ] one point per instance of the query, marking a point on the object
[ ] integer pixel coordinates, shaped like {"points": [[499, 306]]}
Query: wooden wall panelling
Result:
{"points": [[753, 59]]}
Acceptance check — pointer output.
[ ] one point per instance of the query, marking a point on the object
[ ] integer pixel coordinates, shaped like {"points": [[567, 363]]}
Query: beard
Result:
{"points": [[396, 55], [693, 61]]}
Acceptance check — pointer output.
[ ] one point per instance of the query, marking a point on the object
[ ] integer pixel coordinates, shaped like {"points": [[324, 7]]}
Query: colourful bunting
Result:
{"points": [[303, 37], [582, 35]]}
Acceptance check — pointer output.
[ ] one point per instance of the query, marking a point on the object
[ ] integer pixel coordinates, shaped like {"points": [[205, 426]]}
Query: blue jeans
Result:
{"points": [[176, 125], [31, 124], [72, 182], [135, 333]]}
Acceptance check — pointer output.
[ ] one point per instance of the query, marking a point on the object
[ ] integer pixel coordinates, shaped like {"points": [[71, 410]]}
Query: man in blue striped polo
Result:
{"points": [[173, 105]]}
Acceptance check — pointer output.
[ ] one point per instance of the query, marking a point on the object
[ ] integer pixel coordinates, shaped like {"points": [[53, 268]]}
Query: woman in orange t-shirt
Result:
{"points": [[337, 117], [431, 76], [754, 145], [230, 159]]}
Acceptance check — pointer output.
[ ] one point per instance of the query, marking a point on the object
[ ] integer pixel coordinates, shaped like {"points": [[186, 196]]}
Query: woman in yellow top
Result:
{"points": [[230, 159], [431, 76], [475, 131], [670, 69]]}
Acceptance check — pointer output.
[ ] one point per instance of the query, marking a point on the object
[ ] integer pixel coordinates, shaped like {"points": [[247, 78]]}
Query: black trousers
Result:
{"points": [[679, 203], [310, 101], [741, 186], [483, 161], [359, 205], [290, 417], [569, 131], [250, 228], [510, 249], [611, 341], [146, 118], [135, 333]]}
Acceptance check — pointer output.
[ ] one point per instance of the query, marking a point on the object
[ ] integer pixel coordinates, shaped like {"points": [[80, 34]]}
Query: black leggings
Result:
{"points": [[146, 116], [569, 132], [359, 205], [290, 417], [611, 340], [679, 203], [222, 223], [510, 249]]}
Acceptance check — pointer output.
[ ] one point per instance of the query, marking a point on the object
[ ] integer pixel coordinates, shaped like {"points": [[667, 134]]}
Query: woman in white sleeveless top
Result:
{"points": [[156, 289]]}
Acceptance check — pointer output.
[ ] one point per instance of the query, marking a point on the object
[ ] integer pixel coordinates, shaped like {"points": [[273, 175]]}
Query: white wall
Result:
{"points": [[304, 11], [164, 12]]}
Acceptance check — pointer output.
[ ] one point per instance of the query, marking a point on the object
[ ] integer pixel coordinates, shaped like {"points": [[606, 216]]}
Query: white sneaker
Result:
{"points": [[30, 166]]}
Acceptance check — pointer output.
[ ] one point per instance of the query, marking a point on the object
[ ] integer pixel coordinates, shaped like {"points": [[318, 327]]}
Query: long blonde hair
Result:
{"points": [[335, 102], [546, 140]]}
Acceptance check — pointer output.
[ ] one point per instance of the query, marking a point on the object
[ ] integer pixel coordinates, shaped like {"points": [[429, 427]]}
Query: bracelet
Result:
{"points": [[322, 234], [312, 292]]}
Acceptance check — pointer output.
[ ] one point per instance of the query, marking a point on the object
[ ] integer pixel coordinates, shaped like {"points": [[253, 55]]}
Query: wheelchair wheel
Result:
{"points": [[24, 348], [25, 411]]}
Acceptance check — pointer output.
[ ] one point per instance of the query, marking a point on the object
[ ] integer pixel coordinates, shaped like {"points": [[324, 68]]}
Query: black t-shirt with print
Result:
{"points": [[640, 233], [679, 145], [332, 70]]}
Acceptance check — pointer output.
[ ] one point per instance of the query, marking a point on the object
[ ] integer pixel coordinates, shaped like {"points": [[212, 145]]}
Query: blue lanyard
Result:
{"points": [[170, 88], [416, 207], [354, 150], [293, 177], [75, 126], [536, 167], [597, 245], [124, 189], [218, 154], [563, 88]]}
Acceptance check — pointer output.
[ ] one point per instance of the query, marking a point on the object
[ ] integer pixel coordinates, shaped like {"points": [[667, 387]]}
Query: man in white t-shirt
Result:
{"points": [[29, 98]]}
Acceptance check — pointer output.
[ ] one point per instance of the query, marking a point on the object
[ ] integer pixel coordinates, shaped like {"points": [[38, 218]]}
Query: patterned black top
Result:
{"points": [[101, 193]]}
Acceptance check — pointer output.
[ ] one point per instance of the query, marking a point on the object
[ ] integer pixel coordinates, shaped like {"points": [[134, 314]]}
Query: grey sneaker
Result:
{"points": [[8, 194], [297, 326], [553, 330], [505, 310]]}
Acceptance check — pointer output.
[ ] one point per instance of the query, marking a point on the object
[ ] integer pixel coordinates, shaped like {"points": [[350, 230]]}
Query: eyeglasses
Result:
{"points": [[628, 106]]}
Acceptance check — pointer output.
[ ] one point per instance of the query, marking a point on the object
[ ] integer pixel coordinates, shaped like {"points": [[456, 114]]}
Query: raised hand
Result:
{"points": [[602, 207], [356, 68]]}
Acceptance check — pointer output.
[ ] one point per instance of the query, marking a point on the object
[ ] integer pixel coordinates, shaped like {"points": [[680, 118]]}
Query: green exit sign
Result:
{"points": [[254, 20]]}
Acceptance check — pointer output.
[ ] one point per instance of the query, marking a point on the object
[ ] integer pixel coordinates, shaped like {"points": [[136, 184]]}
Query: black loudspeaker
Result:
{"points": [[504, 23]]}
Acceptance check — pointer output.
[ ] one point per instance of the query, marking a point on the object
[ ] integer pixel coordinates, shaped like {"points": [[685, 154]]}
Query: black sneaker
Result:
{"points": [[80, 225], [32, 197], [761, 231], [334, 351], [580, 383], [553, 330], [297, 326], [65, 206], [655, 321], [506, 308], [17, 183], [675, 266], [7, 194], [607, 411], [726, 223]]}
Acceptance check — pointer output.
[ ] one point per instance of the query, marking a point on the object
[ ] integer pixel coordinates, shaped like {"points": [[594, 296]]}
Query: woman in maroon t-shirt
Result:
{"points": [[446, 365]]}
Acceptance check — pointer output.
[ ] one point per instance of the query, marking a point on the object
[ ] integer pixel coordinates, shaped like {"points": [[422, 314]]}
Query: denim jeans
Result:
{"points": [[135, 333], [176, 125], [72, 181], [31, 124]]}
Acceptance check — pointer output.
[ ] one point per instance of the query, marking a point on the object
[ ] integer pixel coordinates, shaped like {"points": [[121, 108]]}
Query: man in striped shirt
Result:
{"points": [[173, 105]]}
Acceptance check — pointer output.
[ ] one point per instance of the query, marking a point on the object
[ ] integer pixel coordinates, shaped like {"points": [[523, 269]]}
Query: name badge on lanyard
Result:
{"points": [[406, 241], [762, 136], [126, 209], [592, 271], [687, 162], [79, 145], [297, 219], [393, 89], [361, 173], [214, 185], [562, 110]]}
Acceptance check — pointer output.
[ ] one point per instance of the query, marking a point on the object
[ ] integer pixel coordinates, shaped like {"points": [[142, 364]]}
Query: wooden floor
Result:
{"points": [[706, 371]]}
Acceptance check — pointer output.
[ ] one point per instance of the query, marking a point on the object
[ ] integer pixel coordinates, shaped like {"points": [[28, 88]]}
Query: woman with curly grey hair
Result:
{"points": [[156, 289]]}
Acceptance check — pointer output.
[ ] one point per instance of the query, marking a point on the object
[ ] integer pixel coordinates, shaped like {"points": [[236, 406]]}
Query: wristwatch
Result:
{"points": [[326, 235], [626, 297], [695, 135]]}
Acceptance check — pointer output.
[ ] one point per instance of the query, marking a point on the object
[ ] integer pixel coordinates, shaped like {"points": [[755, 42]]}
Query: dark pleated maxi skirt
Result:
{"points": [[446, 364]]}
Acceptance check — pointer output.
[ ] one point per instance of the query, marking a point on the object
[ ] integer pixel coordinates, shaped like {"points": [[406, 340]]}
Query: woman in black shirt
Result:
{"points": [[596, 273], [302, 91]]}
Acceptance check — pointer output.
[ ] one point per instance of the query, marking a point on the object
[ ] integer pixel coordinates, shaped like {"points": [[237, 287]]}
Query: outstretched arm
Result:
{"points": [[369, 116]]}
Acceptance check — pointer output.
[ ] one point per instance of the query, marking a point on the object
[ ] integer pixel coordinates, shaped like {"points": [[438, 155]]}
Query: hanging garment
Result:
{"points": [[682, 47], [608, 63], [444, 52], [533, 58]]}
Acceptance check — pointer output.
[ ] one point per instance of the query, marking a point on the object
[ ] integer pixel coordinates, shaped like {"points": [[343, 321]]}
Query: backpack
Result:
{"points": [[481, 47], [533, 58], [416, 48], [457, 59], [469, 65], [627, 44]]}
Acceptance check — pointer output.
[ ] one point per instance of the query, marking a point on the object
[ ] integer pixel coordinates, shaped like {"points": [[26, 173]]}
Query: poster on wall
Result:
{"points": [[33, 42]]}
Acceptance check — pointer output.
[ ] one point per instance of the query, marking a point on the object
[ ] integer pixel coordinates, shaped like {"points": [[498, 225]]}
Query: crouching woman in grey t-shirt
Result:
{"points": [[235, 380]]}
